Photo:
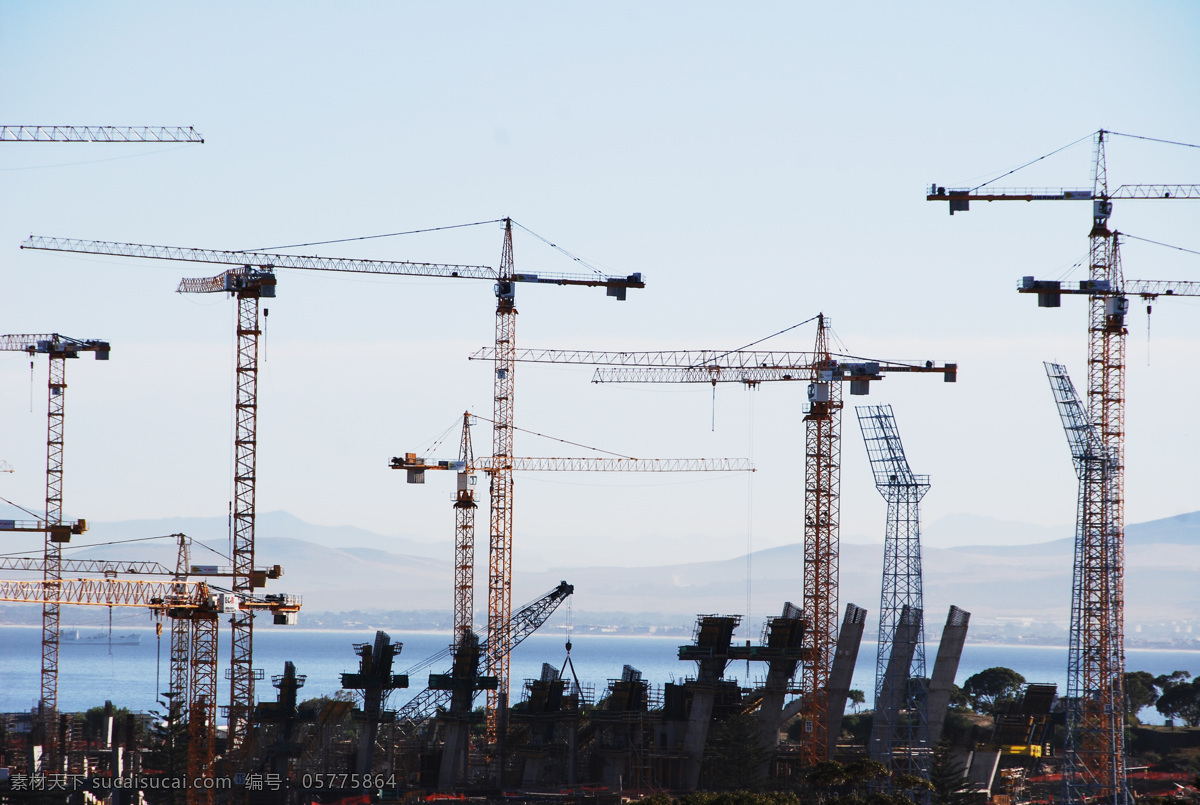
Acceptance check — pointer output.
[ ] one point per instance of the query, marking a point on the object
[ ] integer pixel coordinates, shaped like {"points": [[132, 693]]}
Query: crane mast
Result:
{"points": [[57, 349], [900, 730], [248, 286], [464, 539], [501, 491], [1096, 644], [1094, 763], [822, 497]]}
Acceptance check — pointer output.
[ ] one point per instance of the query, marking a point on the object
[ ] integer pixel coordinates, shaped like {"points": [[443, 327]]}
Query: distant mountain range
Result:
{"points": [[1013, 591]]}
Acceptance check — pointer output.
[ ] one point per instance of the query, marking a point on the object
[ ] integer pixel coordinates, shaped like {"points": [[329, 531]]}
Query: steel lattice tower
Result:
{"points": [[501, 497], [900, 731], [464, 539], [822, 488], [58, 349], [52, 556], [1093, 763], [241, 658]]}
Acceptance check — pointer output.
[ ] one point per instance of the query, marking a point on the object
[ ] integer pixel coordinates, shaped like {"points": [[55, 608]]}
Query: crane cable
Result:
{"points": [[1087, 136], [756, 343], [556, 439], [1153, 139], [560, 249], [371, 237], [1076, 142]]}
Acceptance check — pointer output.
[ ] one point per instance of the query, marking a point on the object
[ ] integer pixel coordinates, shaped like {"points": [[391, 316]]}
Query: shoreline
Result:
{"points": [[626, 633]]}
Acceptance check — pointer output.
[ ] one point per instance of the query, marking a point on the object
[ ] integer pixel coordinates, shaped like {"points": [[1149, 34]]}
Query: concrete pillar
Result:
{"points": [[945, 668], [711, 652], [842, 671], [697, 733]]}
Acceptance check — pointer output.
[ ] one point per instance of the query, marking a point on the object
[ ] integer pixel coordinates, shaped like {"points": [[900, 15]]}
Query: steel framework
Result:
{"points": [[247, 285], [464, 503], [900, 730], [501, 488], [1094, 764], [825, 372], [1095, 695], [505, 277], [822, 498], [241, 657], [464, 539], [100, 134], [58, 349], [525, 621]]}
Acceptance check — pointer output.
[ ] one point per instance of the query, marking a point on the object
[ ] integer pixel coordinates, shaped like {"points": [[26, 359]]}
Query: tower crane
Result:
{"points": [[58, 349], [900, 741], [193, 638], [825, 372], [467, 466], [1094, 763], [505, 279], [464, 569], [248, 286], [179, 599]]}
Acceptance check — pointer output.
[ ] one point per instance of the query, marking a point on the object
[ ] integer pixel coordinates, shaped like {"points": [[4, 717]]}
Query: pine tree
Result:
{"points": [[946, 775]]}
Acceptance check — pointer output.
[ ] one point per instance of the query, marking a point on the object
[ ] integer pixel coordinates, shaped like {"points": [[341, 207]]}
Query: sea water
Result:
{"points": [[134, 676]]}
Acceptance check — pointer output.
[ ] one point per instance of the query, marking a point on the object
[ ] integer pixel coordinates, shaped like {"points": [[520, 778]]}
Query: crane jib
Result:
{"points": [[270, 261]]}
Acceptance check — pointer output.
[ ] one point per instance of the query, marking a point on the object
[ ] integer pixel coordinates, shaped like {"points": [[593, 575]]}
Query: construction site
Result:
{"points": [[474, 730], [813, 719]]}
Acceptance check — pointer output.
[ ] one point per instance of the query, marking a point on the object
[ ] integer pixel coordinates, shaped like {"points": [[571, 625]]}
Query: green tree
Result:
{"points": [[1140, 692], [1181, 700], [861, 774], [733, 755], [991, 688], [857, 699], [946, 775], [959, 699]]}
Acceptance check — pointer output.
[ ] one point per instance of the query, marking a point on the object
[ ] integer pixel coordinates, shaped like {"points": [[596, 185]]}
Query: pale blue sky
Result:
{"points": [[758, 163]]}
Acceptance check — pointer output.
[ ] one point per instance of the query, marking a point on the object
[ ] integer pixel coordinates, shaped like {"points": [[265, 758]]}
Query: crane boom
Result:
{"points": [[107, 592], [266, 260], [137, 593], [960, 197], [488, 464], [673, 357], [524, 622], [751, 376], [1082, 437], [706, 366], [102, 566], [100, 134]]}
